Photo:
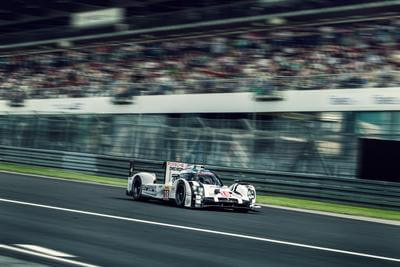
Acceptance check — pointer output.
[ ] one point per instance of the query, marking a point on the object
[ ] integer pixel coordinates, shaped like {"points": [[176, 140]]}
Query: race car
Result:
{"points": [[191, 186]]}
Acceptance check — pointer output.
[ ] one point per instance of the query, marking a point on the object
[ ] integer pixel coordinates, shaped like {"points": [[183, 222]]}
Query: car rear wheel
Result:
{"points": [[180, 195], [137, 189]]}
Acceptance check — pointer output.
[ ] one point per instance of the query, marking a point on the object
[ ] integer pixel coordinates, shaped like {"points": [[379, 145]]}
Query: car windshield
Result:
{"points": [[203, 177]]}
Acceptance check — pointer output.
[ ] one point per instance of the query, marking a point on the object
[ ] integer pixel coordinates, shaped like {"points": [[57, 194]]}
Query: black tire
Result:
{"points": [[180, 195], [137, 188]]}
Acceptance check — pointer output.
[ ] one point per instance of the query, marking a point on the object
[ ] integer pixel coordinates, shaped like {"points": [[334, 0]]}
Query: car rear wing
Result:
{"points": [[172, 170]]}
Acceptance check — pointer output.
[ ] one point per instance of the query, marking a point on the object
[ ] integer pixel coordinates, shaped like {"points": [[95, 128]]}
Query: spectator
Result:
{"points": [[350, 56]]}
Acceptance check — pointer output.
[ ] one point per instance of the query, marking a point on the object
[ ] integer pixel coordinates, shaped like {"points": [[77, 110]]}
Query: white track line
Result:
{"points": [[350, 217], [331, 214], [24, 251], [47, 251], [201, 230]]}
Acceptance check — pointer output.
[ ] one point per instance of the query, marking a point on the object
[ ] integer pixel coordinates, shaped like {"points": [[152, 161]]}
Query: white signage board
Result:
{"points": [[97, 18], [373, 99]]}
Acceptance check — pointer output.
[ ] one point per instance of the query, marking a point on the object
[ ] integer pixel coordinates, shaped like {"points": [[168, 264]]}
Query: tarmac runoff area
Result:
{"points": [[100, 226], [353, 217]]}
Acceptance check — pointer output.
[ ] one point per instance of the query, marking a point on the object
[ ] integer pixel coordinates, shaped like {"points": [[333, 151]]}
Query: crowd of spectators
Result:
{"points": [[343, 56]]}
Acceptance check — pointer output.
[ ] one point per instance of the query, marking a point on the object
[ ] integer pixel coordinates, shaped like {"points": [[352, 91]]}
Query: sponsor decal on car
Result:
{"points": [[225, 194], [166, 192]]}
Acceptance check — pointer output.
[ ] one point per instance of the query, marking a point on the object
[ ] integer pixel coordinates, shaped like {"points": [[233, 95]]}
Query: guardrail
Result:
{"points": [[267, 182]]}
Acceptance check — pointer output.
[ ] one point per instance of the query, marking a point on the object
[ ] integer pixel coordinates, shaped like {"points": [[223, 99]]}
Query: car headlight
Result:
{"points": [[200, 190], [251, 194]]}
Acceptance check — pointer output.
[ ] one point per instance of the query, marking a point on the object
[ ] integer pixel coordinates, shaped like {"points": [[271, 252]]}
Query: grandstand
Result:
{"points": [[350, 55], [183, 83]]}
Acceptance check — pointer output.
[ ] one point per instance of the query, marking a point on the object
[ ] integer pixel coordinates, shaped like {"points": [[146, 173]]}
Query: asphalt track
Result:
{"points": [[112, 234]]}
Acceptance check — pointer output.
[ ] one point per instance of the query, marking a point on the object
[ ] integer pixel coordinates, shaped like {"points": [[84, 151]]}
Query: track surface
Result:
{"points": [[113, 242]]}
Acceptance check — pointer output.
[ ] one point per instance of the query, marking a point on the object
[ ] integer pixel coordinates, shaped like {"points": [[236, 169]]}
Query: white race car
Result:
{"points": [[191, 186]]}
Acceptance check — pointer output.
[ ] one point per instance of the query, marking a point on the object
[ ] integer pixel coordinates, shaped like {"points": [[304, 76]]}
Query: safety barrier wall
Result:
{"points": [[364, 99], [267, 182]]}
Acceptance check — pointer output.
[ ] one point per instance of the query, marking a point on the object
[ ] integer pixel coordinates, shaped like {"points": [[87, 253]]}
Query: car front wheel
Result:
{"points": [[137, 189], [180, 195]]}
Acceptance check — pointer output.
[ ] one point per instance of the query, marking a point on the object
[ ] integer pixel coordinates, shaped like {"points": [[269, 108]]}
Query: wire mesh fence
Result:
{"points": [[306, 145]]}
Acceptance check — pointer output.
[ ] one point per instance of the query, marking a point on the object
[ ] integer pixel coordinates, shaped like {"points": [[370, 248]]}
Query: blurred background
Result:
{"points": [[282, 57]]}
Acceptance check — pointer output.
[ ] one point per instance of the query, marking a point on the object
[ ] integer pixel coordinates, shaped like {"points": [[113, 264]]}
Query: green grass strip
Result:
{"points": [[330, 207], [272, 200], [60, 173]]}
